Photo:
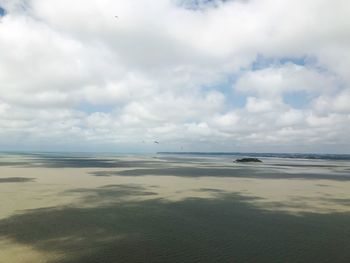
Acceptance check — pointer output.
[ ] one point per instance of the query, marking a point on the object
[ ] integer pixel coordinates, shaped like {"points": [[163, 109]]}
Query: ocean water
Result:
{"points": [[170, 207]]}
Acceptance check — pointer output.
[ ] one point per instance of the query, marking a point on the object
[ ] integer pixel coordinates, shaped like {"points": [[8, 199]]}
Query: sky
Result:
{"points": [[194, 75]]}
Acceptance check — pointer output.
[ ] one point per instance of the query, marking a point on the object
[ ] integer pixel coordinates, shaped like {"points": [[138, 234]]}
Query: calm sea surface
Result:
{"points": [[171, 207]]}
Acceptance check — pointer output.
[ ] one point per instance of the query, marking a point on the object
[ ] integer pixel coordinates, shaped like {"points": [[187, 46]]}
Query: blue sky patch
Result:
{"points": [[2, 11], [234, 98], [90, 108], [199, 4], [297, 99], [262, 62]]}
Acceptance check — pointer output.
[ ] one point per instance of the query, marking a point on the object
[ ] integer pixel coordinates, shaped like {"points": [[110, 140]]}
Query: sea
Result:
{"points": [[174, 207]]}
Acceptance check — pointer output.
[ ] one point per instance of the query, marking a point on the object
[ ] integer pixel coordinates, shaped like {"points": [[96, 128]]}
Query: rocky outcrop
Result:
{"points": [[248, 160]]}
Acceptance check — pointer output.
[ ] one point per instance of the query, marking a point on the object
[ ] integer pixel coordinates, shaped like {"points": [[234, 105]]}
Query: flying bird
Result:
{"points": [[156, 142]]}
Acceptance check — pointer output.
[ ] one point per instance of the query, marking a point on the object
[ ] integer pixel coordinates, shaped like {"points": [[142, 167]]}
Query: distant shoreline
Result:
{"points": [[307, 156], [311, 156]]}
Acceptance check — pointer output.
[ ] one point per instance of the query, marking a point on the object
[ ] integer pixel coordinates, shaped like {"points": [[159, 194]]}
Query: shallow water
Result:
{"points": [[172, 208]]}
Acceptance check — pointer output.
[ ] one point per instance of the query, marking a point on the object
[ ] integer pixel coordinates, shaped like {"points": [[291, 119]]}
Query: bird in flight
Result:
{"points": [[156, 142]]}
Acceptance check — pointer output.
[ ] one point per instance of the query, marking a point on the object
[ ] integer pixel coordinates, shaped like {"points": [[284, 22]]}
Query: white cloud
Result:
{"points": [[274, 81], [339, 102], [162, 69], [291, 117], [255, 105]]}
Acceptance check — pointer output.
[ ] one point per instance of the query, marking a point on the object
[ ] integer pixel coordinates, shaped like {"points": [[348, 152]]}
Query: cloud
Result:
{"points": [[255, 105], [338, 103], [277, 80], [171, 71]]}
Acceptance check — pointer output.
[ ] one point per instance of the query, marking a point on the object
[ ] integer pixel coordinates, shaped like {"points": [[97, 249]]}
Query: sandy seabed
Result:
{"points": [[168, 208]]}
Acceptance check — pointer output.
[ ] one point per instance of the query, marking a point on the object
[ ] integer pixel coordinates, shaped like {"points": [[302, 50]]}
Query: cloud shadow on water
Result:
{"points": [[16, 180], [58, 161], [75, 162], [110, 193], [174, 166], [235, 172], [228, 228]]}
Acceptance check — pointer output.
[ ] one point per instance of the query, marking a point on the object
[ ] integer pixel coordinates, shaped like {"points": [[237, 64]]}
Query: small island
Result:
{"points": [[248, 160]]}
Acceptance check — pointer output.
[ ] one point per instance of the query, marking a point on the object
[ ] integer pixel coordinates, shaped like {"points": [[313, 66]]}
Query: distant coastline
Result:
{"points": [[67, 154], [310, 156]]}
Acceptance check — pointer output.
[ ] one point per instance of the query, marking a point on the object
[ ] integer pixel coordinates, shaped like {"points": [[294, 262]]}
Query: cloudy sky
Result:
{"points": [[195, 75]]}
